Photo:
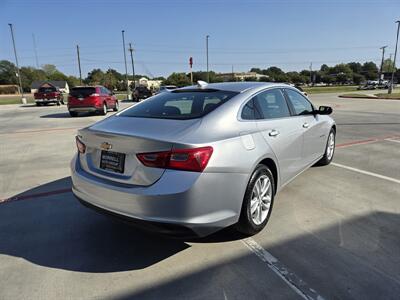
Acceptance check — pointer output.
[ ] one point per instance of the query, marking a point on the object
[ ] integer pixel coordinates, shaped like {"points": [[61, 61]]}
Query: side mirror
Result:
{"points": [[324, 110]]}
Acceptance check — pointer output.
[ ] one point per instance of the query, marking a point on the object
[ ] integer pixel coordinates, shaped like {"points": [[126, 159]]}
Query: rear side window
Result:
{"points": [[82, 92], [47, 90], [250, 111], [272, 104], [301, 105], [181, 104]]}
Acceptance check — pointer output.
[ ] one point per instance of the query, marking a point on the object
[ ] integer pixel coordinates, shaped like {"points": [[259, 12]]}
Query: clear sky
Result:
{"points": [[243, 34]]}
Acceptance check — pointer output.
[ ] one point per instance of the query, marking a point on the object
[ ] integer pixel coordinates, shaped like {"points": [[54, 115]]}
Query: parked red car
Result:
{"points": [[48, 94], [91, 99]]}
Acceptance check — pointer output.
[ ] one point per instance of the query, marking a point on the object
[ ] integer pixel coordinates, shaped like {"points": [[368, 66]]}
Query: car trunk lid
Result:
{"points": [[122, 138]]}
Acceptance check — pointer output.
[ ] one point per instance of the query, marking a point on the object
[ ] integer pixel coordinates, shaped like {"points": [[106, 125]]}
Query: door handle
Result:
{"points": [[273, 132], [306, 125]]}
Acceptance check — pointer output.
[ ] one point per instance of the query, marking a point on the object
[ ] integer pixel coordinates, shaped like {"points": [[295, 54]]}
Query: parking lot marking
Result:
{"points": [[367, 173], [42, 130], [368, 141], [38, 195], [391, 140], [362, 142], [292, 280]]}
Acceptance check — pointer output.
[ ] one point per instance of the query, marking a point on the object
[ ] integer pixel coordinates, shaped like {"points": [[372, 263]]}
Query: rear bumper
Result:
{"points": [[83, 108], [46, 100], [179, 203]]}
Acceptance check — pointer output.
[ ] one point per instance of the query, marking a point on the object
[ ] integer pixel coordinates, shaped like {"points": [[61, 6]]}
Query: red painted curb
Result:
{"points": [[38, 195]]}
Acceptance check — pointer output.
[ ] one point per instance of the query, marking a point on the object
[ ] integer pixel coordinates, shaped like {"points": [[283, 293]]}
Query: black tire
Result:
{"points": [[246, 224], [38, 104], [73, 114], [327, 159], [103, 112], [116, 107]]}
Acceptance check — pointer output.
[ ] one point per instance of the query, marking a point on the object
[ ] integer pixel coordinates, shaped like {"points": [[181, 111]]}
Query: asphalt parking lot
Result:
{"points": [[333, 233]]}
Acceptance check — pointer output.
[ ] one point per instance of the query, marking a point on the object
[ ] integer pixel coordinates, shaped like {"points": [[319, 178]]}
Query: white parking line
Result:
{"points": [[294, 282], [390, 140], [367, 173]]}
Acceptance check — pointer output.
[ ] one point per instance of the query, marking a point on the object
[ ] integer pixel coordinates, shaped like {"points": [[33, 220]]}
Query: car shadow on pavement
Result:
{"points": [[358, 258], [47, 226], [65, 115]]}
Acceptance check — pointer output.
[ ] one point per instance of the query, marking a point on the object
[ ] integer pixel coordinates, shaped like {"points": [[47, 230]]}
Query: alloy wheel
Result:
{"points": [[330, 146], [261, 198]]}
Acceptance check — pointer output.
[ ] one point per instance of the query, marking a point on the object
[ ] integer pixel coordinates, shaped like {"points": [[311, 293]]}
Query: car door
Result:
{"points": [[314, 135], [109, 99], [104, 96], [281, 131]]}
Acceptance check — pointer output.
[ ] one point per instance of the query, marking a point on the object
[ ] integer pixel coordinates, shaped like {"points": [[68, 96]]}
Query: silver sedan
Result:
{"points": [[201, 158]]}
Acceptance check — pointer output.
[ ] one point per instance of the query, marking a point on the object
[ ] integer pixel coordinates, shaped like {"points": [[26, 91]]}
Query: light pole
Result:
{"points": [[79, 65], [133, 65], [126, 68], [394, 60], [208, 73], [383, 58], [23, 99]]}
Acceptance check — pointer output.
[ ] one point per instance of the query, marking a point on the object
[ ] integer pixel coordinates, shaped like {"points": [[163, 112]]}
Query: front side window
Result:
{"points": [[300, 104], [180, 104], [272, 104]]}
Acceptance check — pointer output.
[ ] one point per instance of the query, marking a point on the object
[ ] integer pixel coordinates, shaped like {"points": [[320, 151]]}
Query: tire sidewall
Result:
{"points": [[328, 160], [245, 218]]}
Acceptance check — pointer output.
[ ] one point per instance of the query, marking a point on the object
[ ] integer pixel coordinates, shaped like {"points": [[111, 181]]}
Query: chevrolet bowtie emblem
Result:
{"points": [[105, 146]]}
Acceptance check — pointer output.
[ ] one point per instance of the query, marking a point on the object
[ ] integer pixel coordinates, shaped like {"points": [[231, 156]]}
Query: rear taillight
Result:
{"points": [[81, 146], [195, 159]]}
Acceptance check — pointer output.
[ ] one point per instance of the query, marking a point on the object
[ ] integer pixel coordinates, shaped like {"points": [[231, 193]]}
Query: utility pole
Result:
{"points": [[35, 49], [381, 69], [394, 60], [233, 74], [23, 99], [311, 81], [126, 67], [79, 65], [208, 73], [133, 65]]}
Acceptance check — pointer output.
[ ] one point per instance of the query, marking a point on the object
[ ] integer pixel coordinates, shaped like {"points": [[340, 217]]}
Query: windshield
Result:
{"points": [[47, 89], [82, 92], [180, 104]]}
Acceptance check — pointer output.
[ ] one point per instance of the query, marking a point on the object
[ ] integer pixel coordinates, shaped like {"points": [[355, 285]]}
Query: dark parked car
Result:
{"points": [[140, 93], [91, 99]]}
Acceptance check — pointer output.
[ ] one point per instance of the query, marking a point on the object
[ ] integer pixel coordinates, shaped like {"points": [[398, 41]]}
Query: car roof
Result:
{"points": [[236, 86]]}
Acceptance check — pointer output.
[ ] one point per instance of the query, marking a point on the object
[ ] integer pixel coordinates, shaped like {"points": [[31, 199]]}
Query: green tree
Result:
{"points": [[49, 69], [295, 77], [178, 79], [96, 76], [73, 81], [358, 78], [264, 79], [355, 67], [30, 74], [370, 70], [8, 72], [387, 65]]}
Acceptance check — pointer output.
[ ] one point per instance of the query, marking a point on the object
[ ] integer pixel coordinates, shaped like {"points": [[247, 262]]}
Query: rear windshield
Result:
{"points": [[47, 89], [179, 104], [82, 92]]}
